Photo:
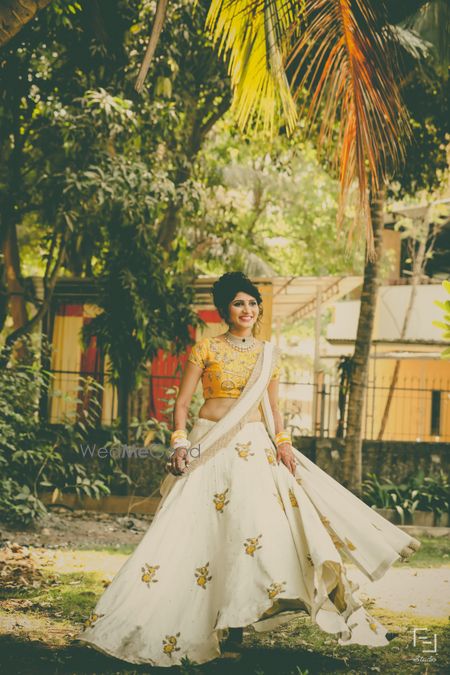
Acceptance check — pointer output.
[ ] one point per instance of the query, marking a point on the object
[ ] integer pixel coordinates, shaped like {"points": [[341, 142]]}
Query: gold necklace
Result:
{"points": [[241, 344]]}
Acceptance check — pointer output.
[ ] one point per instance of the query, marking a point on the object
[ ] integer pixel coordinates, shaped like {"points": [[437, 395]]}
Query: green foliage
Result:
{"points": [[445, 324], [419, 492], [277, 202], [106, 176], [35, 456], [197, 401]]}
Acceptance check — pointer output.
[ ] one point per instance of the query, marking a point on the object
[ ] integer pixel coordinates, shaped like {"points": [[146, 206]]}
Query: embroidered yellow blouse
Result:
{"points": [[225, 369]]}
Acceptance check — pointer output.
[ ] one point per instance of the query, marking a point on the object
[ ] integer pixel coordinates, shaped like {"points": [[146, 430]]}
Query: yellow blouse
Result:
{"points": [[225, 369]]}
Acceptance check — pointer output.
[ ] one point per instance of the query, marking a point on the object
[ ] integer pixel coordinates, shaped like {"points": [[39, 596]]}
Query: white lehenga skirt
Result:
{"points": [[242, 541]]}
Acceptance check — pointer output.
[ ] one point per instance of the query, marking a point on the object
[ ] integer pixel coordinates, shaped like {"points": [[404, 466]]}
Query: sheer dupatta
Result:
{"points": [[254, 392]]}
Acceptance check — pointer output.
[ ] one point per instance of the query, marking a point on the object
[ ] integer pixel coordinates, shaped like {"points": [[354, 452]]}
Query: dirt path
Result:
{"points": [[62, 528], [421, 592]]}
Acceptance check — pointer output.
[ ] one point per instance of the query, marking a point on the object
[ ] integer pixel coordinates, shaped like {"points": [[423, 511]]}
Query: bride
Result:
{"points": [[248, 530]]}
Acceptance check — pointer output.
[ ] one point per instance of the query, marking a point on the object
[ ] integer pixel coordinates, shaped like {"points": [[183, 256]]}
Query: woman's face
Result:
{"points": [[243, 311]]}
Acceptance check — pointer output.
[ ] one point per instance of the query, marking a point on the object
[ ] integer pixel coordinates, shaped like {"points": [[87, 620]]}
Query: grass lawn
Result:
{"points": [[38, 624]]}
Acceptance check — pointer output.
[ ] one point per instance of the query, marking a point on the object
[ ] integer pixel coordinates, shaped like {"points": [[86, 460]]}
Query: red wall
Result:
{"points": [[164, 370]]}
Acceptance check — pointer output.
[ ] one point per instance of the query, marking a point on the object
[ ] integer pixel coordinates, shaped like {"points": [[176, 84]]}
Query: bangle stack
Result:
{"points": [[283, 437], [179, 439]]}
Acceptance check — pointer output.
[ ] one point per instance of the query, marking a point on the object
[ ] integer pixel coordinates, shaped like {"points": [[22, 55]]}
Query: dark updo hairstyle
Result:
{"points": [[228, 286]]}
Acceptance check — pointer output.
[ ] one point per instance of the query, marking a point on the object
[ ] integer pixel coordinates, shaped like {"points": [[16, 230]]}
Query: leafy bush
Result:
{"points": [[35, 455], [419, 492], [445, 324]]}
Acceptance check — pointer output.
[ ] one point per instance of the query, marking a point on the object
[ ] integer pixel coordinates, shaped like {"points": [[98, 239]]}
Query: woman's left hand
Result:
{"points": [[286, 455]]}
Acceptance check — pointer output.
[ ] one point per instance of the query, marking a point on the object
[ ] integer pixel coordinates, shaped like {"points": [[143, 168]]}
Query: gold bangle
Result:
{"points": [[282, 434], [282, 437]]}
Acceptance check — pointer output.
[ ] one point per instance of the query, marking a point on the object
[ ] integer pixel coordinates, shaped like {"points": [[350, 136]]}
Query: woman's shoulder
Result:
{"points": [[201, 344], [198, 353]]}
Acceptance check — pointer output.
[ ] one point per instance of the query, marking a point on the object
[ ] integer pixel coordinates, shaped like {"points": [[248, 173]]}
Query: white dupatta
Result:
{"points": [[254, 393]]}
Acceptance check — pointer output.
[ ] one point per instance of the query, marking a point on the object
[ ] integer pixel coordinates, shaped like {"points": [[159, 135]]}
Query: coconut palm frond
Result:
{"points": [[432, 22], [345, 60], [253, 35]]}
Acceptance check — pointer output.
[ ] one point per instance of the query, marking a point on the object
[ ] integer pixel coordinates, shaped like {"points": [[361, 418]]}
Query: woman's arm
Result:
{"points": [[284, 451], [188, 385]]}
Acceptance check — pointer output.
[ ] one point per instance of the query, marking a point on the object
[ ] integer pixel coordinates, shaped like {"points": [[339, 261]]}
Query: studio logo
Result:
{"points": [[426, 643]]}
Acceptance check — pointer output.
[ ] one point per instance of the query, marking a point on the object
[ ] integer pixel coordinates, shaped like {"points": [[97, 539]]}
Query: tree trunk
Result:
{"points": [[3, 297], [14, 14], [13, 277], [360, 360], [200, 125]]}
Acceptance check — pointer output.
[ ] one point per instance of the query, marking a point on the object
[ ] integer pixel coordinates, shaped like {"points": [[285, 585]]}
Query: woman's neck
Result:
{"points": [[241, 332]]}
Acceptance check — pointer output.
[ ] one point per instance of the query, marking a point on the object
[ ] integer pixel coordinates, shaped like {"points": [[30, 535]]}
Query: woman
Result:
{"points": [[249, 530]]}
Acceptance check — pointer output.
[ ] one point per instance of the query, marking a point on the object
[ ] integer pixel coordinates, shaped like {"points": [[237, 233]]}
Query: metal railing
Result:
{"points": [[416, 412]]}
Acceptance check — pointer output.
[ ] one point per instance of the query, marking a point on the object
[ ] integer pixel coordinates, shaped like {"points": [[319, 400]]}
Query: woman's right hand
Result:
{"points": [[178, 461]]}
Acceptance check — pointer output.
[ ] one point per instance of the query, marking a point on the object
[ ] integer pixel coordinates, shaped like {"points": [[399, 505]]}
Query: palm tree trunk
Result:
{"points": [[14, 14], [360, 360]]}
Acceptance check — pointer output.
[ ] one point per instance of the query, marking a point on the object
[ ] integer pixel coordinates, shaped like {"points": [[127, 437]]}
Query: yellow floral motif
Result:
{"points": [[335, 539], [275, 589], [170, 644], [252, 544], [350, 544], [93, 617], [220, 500], [202, 575], [280, 501], [293, 499], [148, 574], [372, 625], [243, 450], [270, 456], [299, 481]]}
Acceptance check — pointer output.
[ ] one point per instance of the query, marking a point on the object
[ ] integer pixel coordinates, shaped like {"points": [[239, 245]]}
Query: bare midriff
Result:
{"points": [[215, 408]]}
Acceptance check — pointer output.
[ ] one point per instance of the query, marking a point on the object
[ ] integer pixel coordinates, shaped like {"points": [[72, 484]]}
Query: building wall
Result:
{"points": [[410, 414], [70, 364], [391, 308]]}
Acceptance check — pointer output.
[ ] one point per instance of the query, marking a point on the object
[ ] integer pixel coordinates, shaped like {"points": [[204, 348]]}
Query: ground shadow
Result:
{"points": [[32, 657]]}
